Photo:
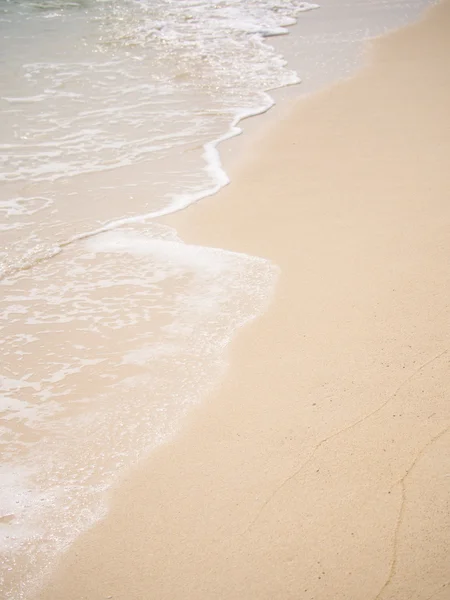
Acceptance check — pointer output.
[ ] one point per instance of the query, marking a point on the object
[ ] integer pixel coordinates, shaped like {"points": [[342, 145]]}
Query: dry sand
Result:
{"points": [[320, 469]]}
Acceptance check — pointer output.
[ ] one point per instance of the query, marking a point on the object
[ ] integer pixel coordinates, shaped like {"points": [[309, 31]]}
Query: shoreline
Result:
{"points": [[22, 576], [319, 444]]}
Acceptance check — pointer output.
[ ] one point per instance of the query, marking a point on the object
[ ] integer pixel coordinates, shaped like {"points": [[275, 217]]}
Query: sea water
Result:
{"points": [[111, 114]]}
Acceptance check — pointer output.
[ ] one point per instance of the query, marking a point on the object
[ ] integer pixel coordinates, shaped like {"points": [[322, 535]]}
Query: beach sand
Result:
{"points": [[320, 468]]}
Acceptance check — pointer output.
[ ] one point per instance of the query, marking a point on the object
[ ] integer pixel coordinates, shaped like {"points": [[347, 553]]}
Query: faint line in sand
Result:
{"points": [[401, 514], [338, 433]]}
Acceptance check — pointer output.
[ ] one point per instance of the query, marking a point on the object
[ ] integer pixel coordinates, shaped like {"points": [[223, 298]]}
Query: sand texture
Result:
{"points": [[321, 467]]}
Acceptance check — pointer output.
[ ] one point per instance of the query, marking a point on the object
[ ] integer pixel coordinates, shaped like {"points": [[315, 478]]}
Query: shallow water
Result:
{"points": [[99, 86]]}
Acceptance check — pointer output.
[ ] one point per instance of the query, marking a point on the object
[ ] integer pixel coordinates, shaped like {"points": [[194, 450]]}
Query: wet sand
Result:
{"points": [[320, 469]]}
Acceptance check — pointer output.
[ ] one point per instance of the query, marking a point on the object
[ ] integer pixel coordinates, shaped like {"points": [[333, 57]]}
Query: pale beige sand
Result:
{"points": [[320, 470]]}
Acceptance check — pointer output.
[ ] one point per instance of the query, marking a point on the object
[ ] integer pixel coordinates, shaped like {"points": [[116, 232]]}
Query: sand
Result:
{"points": [[320, 469]]}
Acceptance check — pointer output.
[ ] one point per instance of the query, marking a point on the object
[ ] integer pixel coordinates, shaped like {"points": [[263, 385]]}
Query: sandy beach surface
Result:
{"points": [[320, 469]]}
